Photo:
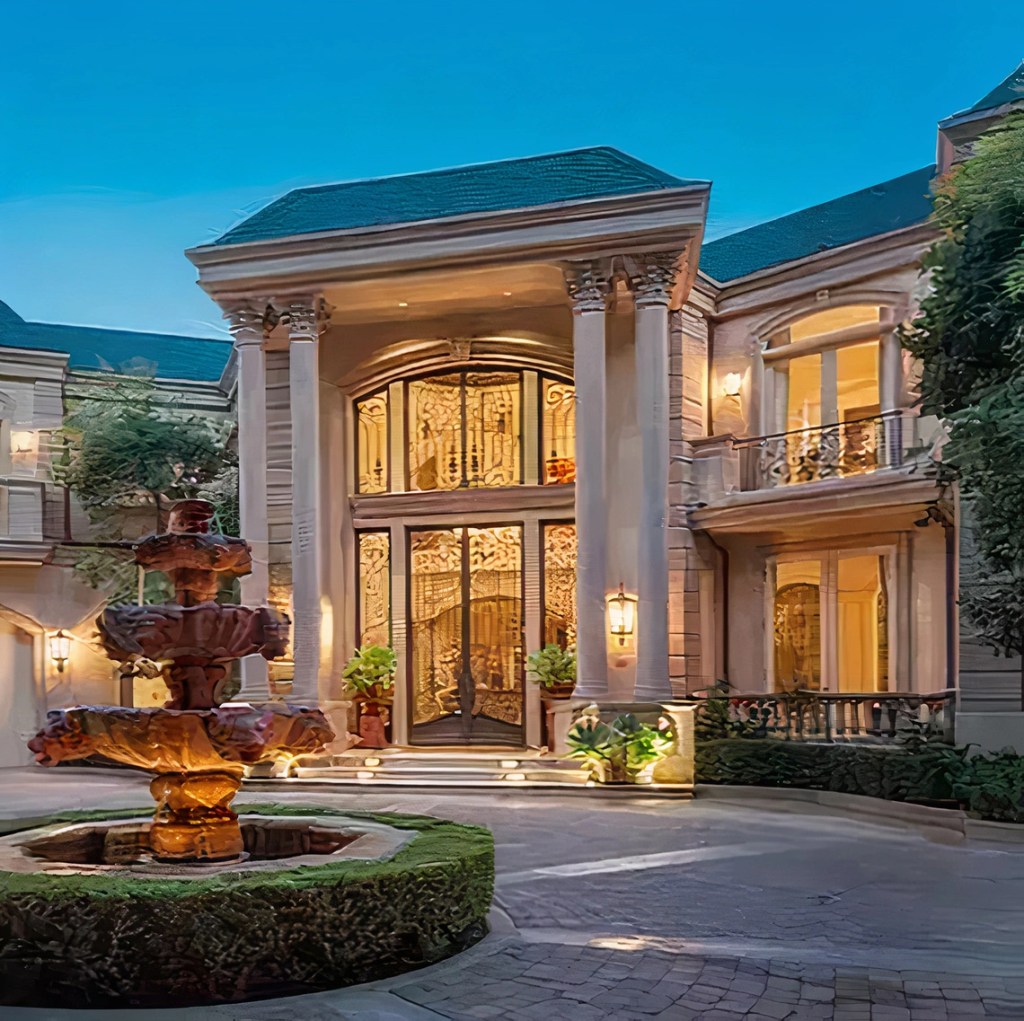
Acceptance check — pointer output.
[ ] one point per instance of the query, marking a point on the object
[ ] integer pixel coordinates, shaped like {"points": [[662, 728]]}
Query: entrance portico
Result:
{"points": [[419, 413]]}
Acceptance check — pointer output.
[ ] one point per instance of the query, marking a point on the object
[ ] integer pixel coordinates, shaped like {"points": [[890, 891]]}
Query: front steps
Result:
{"points": [[453, 769]]}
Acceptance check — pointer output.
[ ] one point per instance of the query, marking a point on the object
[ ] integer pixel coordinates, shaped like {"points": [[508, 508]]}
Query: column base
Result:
{"points": [[255, 687]]}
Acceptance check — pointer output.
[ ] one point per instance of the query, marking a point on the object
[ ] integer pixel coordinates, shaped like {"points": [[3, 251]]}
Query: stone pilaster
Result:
{"points": [[588, 290]]}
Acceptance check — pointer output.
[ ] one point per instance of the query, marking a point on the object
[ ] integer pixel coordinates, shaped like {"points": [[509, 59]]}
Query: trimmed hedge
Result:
{"points": [[119, 941], [988, 786]]}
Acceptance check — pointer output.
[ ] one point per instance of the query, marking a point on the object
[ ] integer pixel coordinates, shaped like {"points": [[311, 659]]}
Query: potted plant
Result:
{"points": [[553, 669], [369, 677], [621, 752]]}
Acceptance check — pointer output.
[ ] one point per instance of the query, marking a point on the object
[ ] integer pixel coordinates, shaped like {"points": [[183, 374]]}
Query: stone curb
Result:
{"points": [[945, 825]]}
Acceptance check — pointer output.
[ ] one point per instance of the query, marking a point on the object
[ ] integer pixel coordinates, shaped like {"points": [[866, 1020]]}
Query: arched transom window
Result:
{"points": [[464, 429]]}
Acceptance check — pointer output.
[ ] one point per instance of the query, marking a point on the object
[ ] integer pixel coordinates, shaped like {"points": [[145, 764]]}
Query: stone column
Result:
{"points": [[653, 295], [304, 321], [248, 331], [588, 289]]}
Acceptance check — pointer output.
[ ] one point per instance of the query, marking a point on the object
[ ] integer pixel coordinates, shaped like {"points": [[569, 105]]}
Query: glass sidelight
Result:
{"points": [[466, 635]]}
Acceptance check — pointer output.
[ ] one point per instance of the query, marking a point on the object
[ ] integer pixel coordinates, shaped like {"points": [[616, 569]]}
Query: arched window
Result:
{"points": [[467, 428], [828, 392]]}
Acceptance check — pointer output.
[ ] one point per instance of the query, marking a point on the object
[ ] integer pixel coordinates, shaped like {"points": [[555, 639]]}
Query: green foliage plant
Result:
{"points": [[130, 449], [969, 339], [623, 751], [552, 667], [371, 671]]}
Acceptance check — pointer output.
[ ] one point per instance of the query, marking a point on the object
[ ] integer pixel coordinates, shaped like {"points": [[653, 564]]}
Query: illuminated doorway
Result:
{"points": [[466, 635]]}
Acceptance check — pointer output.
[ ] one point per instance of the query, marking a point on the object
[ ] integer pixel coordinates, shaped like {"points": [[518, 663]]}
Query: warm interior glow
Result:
{"points": [[731, 384], [854, 587], [832, 319], [863, 656]]}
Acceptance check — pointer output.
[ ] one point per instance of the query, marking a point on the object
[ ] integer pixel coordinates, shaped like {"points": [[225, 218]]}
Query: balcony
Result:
{"points": [[725, 465]]}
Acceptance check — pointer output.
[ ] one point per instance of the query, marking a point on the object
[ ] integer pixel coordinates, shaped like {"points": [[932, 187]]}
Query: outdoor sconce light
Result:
{"points": [[731, 384], [60, 649], [621, 615]]}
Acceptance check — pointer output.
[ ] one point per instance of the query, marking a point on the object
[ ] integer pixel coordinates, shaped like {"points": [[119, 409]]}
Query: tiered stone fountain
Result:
{"points": [[112, 909], [197, 747]]}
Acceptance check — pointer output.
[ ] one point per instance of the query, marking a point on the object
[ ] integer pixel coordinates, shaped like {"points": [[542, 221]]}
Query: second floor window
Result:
{"points": [[465, 429], [823, 393]]}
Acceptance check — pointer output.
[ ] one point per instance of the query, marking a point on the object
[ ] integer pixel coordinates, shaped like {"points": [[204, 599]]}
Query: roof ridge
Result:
{"points": [[995, 97], [122, 330], [624, 157], [820, 205]]}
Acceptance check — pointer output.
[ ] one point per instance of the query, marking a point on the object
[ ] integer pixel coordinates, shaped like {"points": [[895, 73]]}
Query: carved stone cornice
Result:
{"points": [[589, 285], [653, 278]]}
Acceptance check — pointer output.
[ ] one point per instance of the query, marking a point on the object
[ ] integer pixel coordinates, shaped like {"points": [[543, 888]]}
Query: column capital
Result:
{"points": [[247, 322], [306, 316], [589, 285], [653, 278]]}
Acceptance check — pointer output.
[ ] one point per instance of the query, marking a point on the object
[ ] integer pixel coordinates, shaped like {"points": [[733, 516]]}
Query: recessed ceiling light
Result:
{"points": [[508, 294], [403, 304]]}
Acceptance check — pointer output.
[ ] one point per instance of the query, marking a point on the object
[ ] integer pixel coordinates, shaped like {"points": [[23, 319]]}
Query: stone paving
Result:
{"points": [[641, 908]]}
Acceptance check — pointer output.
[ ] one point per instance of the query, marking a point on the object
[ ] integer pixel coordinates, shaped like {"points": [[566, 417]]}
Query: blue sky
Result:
{"points": [[134, 130]]}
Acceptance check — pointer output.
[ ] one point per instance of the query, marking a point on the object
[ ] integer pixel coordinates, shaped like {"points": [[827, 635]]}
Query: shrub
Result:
{"points": [[124, 940], [927, 772]]}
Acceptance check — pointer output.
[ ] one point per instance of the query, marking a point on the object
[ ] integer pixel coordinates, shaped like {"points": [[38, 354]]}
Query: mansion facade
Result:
{"points": [[487, 409]]}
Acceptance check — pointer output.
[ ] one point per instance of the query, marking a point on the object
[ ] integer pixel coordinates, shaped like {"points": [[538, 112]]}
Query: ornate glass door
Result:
{"points": [[466, 635]]}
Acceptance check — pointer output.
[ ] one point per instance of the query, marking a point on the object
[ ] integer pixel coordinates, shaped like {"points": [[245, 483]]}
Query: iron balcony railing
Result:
{"points": [[878, 717], [836, 450]]}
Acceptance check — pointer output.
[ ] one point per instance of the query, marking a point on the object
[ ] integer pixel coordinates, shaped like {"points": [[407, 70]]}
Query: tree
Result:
{"points": [[970, 340], [129, 449]]}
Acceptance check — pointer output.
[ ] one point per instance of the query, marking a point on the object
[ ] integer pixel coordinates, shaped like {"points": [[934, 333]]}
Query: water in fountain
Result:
{"points": [[197, 747]]}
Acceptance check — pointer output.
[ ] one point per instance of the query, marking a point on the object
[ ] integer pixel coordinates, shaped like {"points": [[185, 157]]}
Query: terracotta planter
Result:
{"points": [[372, 729], [558, 691]]}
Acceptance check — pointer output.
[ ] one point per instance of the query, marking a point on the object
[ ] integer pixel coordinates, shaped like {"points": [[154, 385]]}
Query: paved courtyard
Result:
{"points": [[646, 908]]}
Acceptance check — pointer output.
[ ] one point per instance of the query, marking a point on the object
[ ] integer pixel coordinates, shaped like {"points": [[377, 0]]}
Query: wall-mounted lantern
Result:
{"points": [[60, 649], [621, 615], [732, 383], [23, 442]]}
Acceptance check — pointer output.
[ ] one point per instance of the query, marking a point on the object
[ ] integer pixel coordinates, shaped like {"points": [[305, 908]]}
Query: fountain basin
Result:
{"points": [[198, 756], [324, 899]]}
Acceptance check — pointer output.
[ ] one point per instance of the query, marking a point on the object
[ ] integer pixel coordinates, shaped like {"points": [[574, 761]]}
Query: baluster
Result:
{"points": [[829, 453], [876, 719], [892, 710]]}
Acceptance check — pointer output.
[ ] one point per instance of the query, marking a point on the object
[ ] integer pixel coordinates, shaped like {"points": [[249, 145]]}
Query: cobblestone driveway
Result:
{"points": [[640, 909]]}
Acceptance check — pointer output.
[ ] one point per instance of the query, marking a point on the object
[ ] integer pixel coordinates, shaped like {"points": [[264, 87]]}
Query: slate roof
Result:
{"points": [[573, 176], [901, 202], [187, 358], [1009, 90]]}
